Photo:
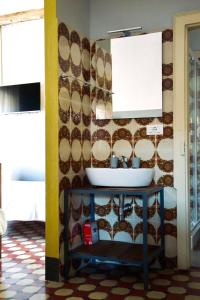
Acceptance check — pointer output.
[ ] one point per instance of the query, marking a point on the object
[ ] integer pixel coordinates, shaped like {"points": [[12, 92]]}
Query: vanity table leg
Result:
{"points": [[121, 207], [92, 218], [66, 233], [162, 229], [145, 242], [92, 208]]}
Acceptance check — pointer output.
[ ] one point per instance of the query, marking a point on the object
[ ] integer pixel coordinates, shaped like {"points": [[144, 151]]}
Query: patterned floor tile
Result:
{"points": [[22, 275]]}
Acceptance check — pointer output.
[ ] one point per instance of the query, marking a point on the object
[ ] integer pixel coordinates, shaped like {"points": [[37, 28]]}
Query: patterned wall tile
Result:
{"points": [[63, 47], [74, 122], [85, 140], [129, 138]]}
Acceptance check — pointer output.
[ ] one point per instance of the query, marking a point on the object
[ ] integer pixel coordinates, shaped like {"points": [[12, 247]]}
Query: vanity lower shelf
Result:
{"points": [[124, 253], [130, 254]]}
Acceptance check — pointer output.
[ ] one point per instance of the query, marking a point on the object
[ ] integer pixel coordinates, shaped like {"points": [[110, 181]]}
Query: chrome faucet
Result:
{"points": [[123, 161], [114, 161]]}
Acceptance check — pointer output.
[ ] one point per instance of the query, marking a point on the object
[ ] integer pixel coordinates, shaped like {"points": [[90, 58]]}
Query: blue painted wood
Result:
{"points": [[145, 241], [162, 229], [92, 207]]}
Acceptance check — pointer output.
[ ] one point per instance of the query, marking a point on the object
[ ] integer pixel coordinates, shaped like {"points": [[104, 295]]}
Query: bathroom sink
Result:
{"points": [[120, 177]]}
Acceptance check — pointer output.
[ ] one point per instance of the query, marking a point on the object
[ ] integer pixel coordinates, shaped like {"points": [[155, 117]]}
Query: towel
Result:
{"points": [[3, 223]]}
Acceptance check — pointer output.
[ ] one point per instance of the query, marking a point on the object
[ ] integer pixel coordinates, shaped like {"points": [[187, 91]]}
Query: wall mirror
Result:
{"points": [[136, 76]]}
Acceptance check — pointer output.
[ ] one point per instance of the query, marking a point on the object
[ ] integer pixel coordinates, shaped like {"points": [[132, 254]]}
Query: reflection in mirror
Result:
{"points": [[136, 76]]}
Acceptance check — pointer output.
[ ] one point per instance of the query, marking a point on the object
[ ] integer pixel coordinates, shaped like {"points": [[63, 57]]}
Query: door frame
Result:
{"points": [[181, 142]]}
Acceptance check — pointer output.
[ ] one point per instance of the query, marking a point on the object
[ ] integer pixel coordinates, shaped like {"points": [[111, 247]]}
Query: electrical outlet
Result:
{"points": [[156, 129]]}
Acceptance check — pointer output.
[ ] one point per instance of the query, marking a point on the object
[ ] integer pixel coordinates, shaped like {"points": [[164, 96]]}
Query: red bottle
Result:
{"points": [[90, 233]]}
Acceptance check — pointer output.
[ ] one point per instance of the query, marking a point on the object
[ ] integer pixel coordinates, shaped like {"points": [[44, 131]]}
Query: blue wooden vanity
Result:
{"points": [[130, 254]]}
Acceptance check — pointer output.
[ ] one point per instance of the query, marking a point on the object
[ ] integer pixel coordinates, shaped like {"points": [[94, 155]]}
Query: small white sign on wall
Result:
{"points": [[156, 129]]}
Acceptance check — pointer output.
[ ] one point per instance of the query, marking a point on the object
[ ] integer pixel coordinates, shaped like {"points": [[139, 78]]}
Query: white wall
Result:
{"points": [[152, 15], [94, 18], [75, 13]]}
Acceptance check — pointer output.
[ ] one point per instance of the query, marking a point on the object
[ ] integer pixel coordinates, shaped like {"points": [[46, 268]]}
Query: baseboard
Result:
{"points": [[52, 268]]}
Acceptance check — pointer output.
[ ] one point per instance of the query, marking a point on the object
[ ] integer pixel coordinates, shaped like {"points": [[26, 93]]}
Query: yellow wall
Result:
{"points": [[51, 91]]}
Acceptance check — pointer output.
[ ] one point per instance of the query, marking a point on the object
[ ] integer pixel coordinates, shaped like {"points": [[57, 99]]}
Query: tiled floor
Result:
{"points": [[22, 275], [195, 255]]}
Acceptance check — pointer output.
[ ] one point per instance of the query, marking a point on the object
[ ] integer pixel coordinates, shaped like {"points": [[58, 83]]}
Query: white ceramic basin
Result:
{"points": [[120, 177]]}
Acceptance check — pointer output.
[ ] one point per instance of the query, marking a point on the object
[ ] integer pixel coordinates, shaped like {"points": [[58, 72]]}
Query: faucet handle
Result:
{"points": [[123, 158], [113, 153]]}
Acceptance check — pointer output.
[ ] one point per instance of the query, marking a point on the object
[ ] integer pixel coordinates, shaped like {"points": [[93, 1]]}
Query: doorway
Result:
{"points": [[194, 140], [183, 23], [22, 130]]}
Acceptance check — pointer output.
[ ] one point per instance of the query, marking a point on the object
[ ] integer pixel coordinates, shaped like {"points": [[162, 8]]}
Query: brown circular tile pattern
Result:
{"points": [[64, 167], [144, 121], [103, 210], [139, 210], [141, 134], [166, 180], [100, 164], [86, 59], [76, 134], [122, 122], [167, 118], [63, 42], [86, 135], [76, 181], [104, 225], [167, 35], [100, 123], [167, 69], [165, 165], [101, 134], [64, 133], [123, 226], [170, 229], [167, 84], [121, 134], [139, 230], [170, 214], [64, 184]]}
